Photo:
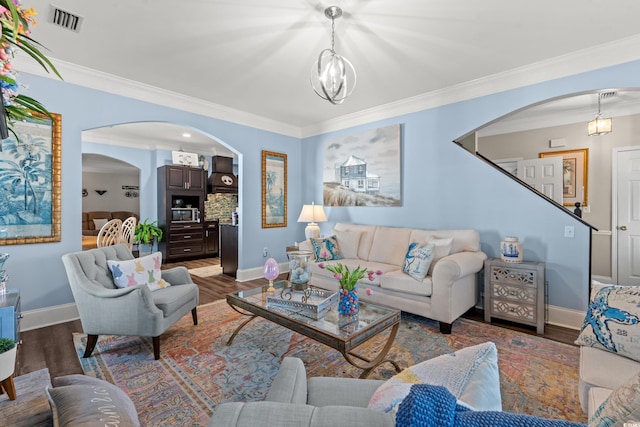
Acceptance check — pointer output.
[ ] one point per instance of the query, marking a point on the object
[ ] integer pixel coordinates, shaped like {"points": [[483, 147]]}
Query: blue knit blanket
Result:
{"points": [[434, 406]]}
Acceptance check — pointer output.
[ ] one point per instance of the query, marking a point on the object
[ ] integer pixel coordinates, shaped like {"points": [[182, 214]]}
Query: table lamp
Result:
{"points": [[312, 213]]}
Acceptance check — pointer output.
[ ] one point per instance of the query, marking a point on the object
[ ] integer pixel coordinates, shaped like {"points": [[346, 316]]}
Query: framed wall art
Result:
{"points": [[363, 169], [274, 189], [575, 168], [30, 179]]}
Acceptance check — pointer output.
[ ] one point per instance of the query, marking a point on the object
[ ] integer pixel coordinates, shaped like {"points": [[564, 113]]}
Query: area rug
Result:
{"points": [[31, 407], [197, 371], [211, 270]]}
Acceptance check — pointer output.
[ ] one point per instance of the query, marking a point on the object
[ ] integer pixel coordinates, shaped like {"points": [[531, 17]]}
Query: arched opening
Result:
{"points": [[589, 167]]}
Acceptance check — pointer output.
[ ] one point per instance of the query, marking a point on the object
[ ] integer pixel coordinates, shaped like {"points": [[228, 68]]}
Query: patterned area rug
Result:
{"points": [[212, 270], [197, 371], [31, 407]]}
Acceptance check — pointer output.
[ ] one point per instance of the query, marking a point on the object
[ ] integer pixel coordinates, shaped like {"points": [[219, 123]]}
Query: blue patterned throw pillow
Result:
{"points": [[326, 249], [612, 322], [418, 259]]}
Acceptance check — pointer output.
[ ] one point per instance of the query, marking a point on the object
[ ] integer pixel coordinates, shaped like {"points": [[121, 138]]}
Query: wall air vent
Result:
{"points": [[64, 19]]}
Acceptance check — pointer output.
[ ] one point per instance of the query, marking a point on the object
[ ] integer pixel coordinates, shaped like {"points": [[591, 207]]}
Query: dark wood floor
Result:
{"points": [[52, 347]]}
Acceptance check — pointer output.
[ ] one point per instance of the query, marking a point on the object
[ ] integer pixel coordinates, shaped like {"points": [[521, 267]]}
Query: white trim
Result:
{"points": [[614, 207], [608, 54], [258, 272], [42, 317], [601, 232], [565, 317], [602, 279]]}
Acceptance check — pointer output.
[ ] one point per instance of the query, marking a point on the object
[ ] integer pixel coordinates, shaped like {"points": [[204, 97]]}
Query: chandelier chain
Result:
{"points": [[333, 34]]}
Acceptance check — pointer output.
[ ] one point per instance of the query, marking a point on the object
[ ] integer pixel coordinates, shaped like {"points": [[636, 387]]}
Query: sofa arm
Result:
{"points": [[456, 266], [177, 276], [290, 385], [251, 414]]}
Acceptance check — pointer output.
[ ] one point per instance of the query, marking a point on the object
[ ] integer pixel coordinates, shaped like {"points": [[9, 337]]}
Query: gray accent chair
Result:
{"points": [[107, 310], [294, 401]]}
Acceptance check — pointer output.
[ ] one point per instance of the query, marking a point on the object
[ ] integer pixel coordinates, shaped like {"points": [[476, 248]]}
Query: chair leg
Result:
{"points": [[91, 344], [9, 387], [156, 348], [194, 314]]}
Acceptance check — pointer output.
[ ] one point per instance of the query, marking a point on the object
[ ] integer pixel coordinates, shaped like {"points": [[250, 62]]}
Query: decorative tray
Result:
{"points": [[312, 302]]}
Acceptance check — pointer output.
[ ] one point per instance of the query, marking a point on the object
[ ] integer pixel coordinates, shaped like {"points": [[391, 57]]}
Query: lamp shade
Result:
{"points": [[312, 213]]}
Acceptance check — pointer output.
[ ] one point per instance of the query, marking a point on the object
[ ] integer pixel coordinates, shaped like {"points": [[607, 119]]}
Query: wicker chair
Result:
{"points": [[128, 231]]}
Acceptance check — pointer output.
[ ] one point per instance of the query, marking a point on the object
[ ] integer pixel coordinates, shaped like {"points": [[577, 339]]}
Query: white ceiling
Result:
{"points": [[255, 55]]}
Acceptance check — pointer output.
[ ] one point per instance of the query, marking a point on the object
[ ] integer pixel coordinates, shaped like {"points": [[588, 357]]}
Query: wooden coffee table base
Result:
{"points": [[351, 357]]}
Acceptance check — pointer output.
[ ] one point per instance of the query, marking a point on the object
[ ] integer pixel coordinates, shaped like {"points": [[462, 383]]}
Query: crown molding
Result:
{"points": [[608, 54], [94, 79]]}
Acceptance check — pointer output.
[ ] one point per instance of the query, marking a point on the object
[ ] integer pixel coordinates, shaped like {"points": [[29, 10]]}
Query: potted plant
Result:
{"points": [[8, 351], [145, 234]]}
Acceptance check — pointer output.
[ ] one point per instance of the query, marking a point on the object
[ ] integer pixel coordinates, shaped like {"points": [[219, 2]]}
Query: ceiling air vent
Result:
{"points": [[64, 19]]}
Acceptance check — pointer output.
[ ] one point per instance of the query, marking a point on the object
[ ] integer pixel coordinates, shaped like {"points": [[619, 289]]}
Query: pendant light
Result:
{"points": [[599, 126], [333, 76]]}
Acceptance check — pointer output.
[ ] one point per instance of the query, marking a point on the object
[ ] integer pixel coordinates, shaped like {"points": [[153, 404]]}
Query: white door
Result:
{"points": [[627, 226], [545, 175]]}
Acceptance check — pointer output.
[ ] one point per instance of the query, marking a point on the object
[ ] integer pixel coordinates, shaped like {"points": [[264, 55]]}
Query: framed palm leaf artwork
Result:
{"points": [[274, 189], [30, 172]]}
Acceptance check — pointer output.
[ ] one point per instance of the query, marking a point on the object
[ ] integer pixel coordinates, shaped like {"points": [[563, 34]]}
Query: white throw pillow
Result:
{"points": [[348, 242], [100, 222], [442, 249], [622, 404], [470, 374], [139, 271]]}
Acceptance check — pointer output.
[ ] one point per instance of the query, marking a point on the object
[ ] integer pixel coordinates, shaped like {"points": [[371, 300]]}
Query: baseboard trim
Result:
{"points": [[565, 317], [42, 317], [257, 272]]}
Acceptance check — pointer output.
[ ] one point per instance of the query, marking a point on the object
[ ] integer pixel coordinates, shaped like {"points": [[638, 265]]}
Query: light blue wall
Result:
{"points": [[37, 269], [446, 187], [443, 186]]}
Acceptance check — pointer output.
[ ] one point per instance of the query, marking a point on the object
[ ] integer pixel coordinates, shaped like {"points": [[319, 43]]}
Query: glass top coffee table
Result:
{"points": [[372, 320]]}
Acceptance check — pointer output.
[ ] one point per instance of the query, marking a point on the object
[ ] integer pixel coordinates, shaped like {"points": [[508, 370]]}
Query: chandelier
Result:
{"points": [[333, 76], [599, 126]]}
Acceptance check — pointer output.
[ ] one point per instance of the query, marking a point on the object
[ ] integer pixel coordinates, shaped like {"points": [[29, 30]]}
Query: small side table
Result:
{"points": [[515, 292]]}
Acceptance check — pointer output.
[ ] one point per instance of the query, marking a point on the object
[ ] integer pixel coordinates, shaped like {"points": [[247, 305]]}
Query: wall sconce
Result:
{"points": [[101, 192]]}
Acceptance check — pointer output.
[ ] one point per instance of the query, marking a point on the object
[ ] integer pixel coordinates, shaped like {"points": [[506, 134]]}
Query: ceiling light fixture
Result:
{"points": [[599, 126], [332, 76]]}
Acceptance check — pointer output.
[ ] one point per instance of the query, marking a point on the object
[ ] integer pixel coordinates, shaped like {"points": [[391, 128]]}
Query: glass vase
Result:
{"points": [[299, 269], [347, 306]]}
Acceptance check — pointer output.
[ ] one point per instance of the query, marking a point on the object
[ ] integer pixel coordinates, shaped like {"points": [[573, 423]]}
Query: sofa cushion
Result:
{"points": [[139, 271], [91, 215], [366, 236], [348, 242], [326, 249], [612, 321], [98, 223], [619, 369], [390, 245], [314, 269], [78, 400], [470, 374], [418, 259], [624, 401], [399, 281]]}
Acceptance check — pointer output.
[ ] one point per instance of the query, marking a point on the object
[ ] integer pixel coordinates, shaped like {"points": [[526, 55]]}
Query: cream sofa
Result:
{"points": [[448, 291], [601, 372]]}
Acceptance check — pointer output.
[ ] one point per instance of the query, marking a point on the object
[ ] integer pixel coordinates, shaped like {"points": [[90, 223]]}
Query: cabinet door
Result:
{"points": [[196, 179], [175, 178], [211, 239]]}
